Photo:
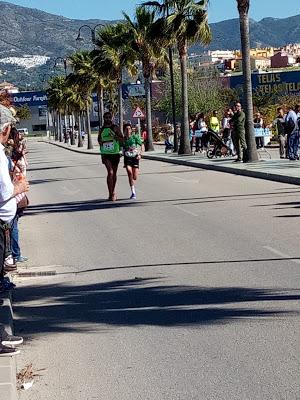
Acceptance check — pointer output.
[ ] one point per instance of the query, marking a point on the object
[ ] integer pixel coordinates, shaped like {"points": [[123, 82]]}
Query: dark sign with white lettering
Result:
{"points": [[287, 82], [30, 98]]}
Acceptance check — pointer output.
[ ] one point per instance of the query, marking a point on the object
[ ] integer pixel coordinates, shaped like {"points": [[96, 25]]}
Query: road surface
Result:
{"points": [[189, 293]]}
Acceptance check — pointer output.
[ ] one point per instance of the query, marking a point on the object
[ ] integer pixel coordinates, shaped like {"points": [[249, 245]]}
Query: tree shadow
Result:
{"points": [[88, 205], [139, 302], [284, 206]]}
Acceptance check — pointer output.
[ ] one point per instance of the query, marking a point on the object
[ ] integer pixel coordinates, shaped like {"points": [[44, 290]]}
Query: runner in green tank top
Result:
{"points": [[110, 139]]}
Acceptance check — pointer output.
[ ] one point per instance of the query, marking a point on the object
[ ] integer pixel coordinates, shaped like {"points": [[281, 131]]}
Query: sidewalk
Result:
{"points": [[8, 365], [278, 170]]}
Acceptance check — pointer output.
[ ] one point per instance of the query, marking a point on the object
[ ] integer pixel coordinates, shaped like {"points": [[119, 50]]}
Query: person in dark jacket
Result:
{"points": [[238, 132]]}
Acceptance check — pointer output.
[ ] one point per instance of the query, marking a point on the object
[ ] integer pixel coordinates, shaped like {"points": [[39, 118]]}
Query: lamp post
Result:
{"points": [[80, 39]]}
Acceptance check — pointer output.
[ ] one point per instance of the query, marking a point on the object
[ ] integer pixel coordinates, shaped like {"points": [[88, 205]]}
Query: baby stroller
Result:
{"points": [[220, 148]]}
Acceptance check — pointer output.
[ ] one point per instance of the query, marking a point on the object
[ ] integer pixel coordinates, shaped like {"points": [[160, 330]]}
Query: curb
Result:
{"points": [[230, 170], [93, 152], [8, 365], [212, 167]]}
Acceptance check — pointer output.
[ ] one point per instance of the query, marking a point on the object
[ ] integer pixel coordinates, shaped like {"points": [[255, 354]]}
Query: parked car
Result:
{"points": [[24, 131]]}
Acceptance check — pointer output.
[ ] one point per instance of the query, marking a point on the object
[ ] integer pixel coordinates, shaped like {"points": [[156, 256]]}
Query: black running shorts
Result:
{"points": [[133, 162]]}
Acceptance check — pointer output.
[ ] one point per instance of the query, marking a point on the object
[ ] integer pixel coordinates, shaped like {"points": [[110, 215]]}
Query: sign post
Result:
{"points": [[138, 113]]}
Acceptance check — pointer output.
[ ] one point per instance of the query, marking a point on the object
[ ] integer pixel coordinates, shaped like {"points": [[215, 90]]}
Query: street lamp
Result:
{"points": [[80, 39]]}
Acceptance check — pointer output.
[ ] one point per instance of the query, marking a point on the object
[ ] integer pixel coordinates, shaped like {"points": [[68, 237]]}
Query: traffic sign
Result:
{"points": [[138, 113]]}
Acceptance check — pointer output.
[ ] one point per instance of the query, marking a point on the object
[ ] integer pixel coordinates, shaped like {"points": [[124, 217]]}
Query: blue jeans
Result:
{"points": [[293, 145], [14, 237]]}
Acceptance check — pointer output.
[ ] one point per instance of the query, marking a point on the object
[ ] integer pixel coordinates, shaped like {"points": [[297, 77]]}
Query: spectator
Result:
{"points": [[226, 129], [214, 122], [19, 162], [238, 132], [168, 144], [258, 124], [8, 192], [292, 131], [192, 131], [201, 132], [278, 123]]}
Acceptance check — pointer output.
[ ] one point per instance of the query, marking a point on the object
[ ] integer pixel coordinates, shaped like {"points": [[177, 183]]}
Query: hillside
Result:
{"points": [[43, 37]]}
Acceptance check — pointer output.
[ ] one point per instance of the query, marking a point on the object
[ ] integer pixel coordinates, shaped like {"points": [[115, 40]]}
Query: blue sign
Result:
{"points": [[287, 82], [30, 98]]}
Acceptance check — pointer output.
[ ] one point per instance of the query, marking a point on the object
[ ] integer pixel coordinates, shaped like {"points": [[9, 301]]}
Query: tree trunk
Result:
{"points": [[149, 146], [88, 123], [60, 136], [55, 123], [72, 136], [65, 129], [120, 106], [248, 102], [185, 147], [80, 144], [100, 106], [173, 98]]}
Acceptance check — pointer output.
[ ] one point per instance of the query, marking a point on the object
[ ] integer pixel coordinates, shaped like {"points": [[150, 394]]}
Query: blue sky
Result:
{"points": [[111, 9]]}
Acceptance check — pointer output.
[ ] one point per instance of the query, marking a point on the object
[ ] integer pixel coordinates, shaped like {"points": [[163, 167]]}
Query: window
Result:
{"points": [[38, 128]]}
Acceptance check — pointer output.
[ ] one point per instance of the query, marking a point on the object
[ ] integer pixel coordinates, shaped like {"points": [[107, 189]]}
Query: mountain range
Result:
{"points": [[26, 31]]}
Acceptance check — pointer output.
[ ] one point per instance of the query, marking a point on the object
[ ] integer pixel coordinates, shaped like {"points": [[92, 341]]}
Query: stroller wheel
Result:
{"points": [[210, 153]]}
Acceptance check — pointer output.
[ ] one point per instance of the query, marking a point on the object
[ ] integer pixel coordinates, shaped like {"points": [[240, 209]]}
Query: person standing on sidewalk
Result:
{"points": [[132, 148], [292, 131], [259, 124], [214, 122], [238, 132], [110, 139], [278, 123], [8, 192]]}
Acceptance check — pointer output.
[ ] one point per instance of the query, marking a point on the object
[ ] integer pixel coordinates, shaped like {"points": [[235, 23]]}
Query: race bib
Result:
{"points": [[132, 152], [108, 146]]}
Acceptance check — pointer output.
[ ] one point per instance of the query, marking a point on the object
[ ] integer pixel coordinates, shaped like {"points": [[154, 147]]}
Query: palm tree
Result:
{"points": [[243, 8], [149, 45], [82, 78], [55, 94], [74, 98], [113, 55], [187, 23]]}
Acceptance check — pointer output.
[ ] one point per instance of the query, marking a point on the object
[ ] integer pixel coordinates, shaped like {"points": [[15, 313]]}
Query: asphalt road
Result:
{"points": [[189, 293]]}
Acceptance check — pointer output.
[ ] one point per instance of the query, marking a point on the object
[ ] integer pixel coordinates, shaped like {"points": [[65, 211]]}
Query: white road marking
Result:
{"points": [[279, 253], [186, 211]]}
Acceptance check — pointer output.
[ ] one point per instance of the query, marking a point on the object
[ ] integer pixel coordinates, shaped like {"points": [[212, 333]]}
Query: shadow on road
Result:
{"points": [[89, 205], [134, 302]]}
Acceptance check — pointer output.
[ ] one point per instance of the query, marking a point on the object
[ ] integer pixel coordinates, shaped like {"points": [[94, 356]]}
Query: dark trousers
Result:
{"points": [[2, 251], [239, 142], [259, 142], [293, 145], [198, 143], [14, 238]]}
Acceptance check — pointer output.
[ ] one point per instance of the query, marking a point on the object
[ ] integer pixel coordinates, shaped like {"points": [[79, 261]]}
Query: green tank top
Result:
{"points": [[109, 144]]}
